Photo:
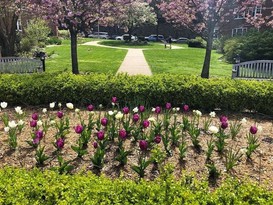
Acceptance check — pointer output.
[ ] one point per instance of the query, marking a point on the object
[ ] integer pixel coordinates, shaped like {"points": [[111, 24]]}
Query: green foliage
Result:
{"points": [[54, 41], [18, 186], [252, 144], [203, 94], [197, 43], [256, 45], [35, 35]]}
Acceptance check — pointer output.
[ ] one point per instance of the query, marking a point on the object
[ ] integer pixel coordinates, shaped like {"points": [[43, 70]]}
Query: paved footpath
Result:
{"points": [[134, 62]]}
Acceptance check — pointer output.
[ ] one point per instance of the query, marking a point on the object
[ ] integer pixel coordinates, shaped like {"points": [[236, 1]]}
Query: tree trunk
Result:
{"points": [[206, 64], [8, 34], [74, 53]]}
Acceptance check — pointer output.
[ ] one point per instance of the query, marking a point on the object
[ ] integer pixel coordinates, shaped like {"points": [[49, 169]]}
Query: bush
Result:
{"points": [[64, 34], [54, 41], [18, 186], [254, 46], [206, 94], [197, 43]]}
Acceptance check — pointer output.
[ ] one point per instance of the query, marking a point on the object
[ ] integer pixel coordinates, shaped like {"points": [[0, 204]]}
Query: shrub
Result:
{"points": [[18, 186], [254, 46], [54, 41], [197, 43], [205, 94], [64, 34]]}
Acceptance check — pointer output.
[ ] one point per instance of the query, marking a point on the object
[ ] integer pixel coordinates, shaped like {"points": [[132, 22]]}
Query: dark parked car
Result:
{"points": [[182, 40], [154, 37]]}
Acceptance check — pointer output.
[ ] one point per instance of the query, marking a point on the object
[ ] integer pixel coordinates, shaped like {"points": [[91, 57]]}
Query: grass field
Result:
{"points": [[90, 58], [107, 60], [185, 61]]}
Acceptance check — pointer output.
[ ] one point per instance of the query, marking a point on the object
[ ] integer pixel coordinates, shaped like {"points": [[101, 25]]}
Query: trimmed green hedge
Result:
{"points": [[18, 186], [204, 94]]}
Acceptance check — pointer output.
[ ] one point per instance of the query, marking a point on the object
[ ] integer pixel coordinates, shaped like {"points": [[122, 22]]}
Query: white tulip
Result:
{"points": [[6, 129], [70, 106], [119, 115], [39, 123], [12, 124], [4, 105], [151, 119], [52, 122], [44, 110], [135, 110], [153, 109], [21, 122], [18, 109], [52, 105], [212, 114], [213, 129], [77, 110], [244, 121], [110, 113], [59, 105]]}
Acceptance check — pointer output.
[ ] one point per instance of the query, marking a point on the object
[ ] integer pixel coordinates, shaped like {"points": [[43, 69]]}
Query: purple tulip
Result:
{"points": [[122, 134], [34, 116], [125, 110], [186, 108], [39, 134], [95, 145], [157, 139], [253, 129], [114, 100], [90, 108], [224, 124], [33, 123], [141, 108], [223, 118], [60, 143], [168, 106], [36, 140], [143, 145], [100, 135], [78, 129], [145, 124], [135, 117], [60, 114], [157, 110], [104, 121]]}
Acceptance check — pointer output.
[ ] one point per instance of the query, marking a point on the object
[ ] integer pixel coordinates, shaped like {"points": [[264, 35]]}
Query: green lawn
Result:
{"points": [[185, 61], [90, 58], [107, 60], [123, 44]]}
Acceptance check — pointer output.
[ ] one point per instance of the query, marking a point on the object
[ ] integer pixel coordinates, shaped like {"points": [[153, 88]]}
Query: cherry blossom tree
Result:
{"points": [[202, 16], [10, 12], [136, 14], [75, 15]]}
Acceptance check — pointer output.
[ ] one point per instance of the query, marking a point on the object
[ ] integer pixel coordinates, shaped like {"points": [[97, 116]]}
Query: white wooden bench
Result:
{"points": [[20, 65], [260, 69]]}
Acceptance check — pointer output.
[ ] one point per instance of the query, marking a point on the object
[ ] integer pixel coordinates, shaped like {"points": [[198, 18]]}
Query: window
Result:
{"points": [[252, 11], [19, 25], [239, 31]]}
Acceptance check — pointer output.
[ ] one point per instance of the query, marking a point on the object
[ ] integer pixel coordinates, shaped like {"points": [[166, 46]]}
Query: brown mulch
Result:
{"points": [[259, 168]]}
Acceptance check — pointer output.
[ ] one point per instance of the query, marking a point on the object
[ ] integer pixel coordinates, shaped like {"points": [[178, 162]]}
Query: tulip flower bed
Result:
{"points": [[136, 142]]}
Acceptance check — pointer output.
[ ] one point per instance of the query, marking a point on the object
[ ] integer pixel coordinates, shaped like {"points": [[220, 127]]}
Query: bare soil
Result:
{"points": [[259, 168]]}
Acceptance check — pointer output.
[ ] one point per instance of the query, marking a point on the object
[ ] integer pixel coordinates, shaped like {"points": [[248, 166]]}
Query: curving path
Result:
{"points": [[134, 62]]}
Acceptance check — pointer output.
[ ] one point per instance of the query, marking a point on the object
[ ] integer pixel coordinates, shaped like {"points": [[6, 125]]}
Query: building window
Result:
{"points": [[19, 25], [252, 11], [239, 31]]}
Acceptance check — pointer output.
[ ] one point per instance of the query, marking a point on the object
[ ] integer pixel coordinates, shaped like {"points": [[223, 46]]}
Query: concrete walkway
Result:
{"points": [[134, 62]]}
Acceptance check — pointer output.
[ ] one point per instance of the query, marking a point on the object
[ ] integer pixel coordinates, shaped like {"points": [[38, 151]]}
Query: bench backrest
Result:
{"points": [[20, 65], [253, 69]]}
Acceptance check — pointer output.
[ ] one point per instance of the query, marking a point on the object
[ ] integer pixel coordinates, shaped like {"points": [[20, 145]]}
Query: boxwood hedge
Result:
{"points": [[204, 94], [19, 186]]}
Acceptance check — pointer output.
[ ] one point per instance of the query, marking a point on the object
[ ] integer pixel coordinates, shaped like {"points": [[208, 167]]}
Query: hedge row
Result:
{"points": [[204, 94], [18, 186]]}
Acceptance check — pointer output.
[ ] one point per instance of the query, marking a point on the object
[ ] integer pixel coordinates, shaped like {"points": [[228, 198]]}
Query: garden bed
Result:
{"points": [[158, 138]]}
